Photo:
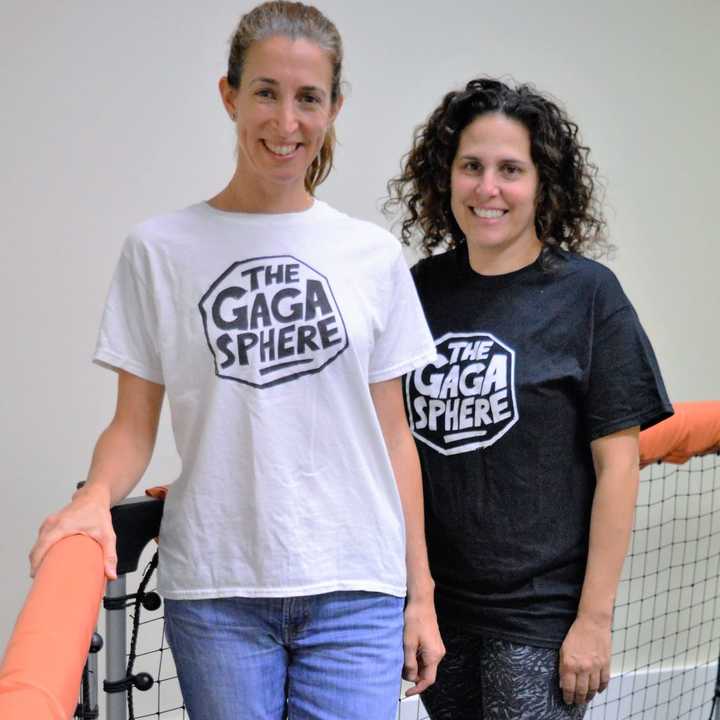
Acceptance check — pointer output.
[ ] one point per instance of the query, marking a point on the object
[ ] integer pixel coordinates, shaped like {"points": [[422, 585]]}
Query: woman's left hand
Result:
{"points": [[422, 645], [585, 660]]}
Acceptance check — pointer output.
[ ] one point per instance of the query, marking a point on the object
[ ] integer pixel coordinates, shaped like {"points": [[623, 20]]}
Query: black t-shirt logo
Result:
{"points": [[269, 320], [465, 399]]}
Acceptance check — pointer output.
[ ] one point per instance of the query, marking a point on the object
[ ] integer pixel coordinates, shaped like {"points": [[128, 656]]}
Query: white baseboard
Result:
{"points": [[653, 694], [411, 709]]}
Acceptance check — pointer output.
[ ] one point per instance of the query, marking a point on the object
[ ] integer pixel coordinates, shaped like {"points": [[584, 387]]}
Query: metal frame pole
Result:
{"points": [[116, 649], [92, 665], [716, 698]]}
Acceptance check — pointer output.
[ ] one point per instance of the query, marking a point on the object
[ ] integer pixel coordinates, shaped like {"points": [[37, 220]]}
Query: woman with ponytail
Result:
{"points": [[292, 551]]}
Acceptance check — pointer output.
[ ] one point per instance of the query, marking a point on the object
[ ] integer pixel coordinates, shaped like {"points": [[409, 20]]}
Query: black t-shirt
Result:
{"points": [[532, 366]]}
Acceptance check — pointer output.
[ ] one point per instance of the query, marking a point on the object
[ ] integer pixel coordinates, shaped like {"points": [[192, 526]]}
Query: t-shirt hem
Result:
{"points": [[282, 592], [402, 368], [644, 420], [109, 360], [494, 634]]}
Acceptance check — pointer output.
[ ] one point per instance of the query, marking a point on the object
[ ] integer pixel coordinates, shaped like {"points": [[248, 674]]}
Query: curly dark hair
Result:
{"points": [[568, 211]]}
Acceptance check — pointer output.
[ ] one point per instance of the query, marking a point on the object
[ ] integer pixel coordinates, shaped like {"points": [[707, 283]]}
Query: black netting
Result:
{"points": [[666, 640]]}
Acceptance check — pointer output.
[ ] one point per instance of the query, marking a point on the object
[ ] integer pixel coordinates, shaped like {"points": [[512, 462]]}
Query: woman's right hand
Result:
{"points": [[87, 514]]}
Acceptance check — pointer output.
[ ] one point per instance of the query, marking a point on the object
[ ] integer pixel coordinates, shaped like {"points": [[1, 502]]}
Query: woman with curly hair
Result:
{"points": [[527, 422]]}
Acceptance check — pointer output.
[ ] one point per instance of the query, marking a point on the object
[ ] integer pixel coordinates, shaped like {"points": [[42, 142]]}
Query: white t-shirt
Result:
{"points": [[266, 331]]}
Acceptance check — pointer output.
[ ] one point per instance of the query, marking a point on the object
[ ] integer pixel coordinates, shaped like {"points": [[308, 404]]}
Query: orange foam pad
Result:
{"points": [[42, 669], [694, 429], [159, 491]]}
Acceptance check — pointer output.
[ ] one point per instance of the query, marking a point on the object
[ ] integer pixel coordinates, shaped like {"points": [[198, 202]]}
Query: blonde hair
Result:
{"points": [[293, 20]]}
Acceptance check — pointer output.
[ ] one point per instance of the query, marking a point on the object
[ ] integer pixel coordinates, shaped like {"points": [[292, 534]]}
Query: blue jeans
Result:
{"points": [[336, 656]]}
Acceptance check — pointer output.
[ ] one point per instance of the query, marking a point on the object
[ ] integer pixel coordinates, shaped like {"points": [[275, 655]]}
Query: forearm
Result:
{"points": [[119, 460], [585, 652], [422, 645], [610, 529], [406, 467], [124, 449]]}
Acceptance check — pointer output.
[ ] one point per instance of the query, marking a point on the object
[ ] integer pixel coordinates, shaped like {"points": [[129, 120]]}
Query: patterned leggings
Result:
{"points": [[485, 679]]}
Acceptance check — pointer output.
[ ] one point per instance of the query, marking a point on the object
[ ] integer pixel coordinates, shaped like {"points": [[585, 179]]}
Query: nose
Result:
{"points": [[487, 185], [286, 118]]}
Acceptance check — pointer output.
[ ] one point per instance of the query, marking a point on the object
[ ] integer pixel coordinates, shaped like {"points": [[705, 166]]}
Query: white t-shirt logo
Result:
{"points": [[269, 320], [465, 399]]}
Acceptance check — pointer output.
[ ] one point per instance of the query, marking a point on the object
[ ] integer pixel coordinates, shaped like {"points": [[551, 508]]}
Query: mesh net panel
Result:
{"points": [[666, 638]]}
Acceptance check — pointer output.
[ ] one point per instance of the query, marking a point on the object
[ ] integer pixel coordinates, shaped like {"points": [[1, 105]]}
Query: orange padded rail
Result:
{"points": [[694, 429], [42, 669], [159, 491]]}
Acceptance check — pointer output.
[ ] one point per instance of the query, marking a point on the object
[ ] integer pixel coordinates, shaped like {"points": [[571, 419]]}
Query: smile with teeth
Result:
{"points": [[281, 149], [488, 214]]}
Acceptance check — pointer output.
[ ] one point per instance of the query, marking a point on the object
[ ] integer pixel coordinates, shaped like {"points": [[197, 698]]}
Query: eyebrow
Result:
{"points": [[304, 88], [517, 161]]}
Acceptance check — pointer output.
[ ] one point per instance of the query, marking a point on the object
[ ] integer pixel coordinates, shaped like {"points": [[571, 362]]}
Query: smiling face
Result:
{"points": [[283, 109], [494, 185]]}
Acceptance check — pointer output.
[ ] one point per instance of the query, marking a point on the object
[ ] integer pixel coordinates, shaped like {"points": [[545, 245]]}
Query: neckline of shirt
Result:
{"points": [[310, 214], [535, 267]]}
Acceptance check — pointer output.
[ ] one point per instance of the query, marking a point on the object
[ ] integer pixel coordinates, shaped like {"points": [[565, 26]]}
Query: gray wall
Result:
{"points": [[110, 114]]}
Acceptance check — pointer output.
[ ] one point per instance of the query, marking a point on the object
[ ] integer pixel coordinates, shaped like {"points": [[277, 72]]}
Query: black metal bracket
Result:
{"points": [[119, 603], [86, 713], [136, 522], [142, 681], [149, 600]]}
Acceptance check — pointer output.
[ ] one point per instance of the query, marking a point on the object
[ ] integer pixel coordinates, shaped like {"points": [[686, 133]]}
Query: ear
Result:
{"points": [[228, 94], [335, 109]]}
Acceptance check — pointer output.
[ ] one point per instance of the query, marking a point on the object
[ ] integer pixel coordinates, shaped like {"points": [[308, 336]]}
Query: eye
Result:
{"points": [[512, 170], [264, 93], [310, 99], [471, 166]]}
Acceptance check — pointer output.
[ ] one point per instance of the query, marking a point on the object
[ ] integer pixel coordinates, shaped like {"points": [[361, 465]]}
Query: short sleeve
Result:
{"points": [[403, 342], [625, 387], [128, 334]]}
